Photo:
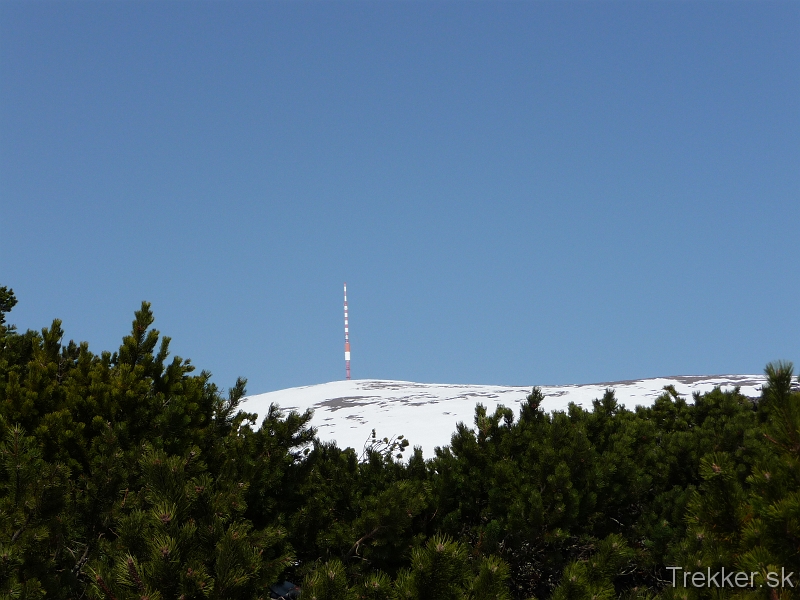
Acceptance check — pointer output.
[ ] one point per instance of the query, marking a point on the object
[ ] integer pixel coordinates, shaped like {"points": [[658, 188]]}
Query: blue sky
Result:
{"points": [[516, 193]]}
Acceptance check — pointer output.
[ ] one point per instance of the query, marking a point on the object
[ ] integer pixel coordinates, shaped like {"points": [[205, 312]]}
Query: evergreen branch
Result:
{"points": [[135, 575], [76, 570], [19, 531], [104, 586], [370, 535], [82, 561]]}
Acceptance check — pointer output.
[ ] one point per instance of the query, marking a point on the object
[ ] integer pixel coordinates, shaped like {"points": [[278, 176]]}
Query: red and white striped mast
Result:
{"points": [[346, 335]]}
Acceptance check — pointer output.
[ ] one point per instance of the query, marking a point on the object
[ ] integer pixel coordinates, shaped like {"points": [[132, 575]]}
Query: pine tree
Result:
{"points": [[593, 578], [753, 525], [34, 521], [183, 535], [439, 571], [328, 582], [491, 582], [376, 586], [7, 302], [130, 475]]}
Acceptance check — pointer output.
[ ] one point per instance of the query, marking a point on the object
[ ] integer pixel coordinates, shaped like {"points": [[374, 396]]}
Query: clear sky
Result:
{"points": [[515, 192]]}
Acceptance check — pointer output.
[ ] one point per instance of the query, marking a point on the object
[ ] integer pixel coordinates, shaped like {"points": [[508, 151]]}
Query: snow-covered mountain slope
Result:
{"points": [[427, 413]]}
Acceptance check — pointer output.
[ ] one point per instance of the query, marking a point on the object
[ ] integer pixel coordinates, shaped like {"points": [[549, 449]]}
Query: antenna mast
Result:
{"points": [[346, 335]]}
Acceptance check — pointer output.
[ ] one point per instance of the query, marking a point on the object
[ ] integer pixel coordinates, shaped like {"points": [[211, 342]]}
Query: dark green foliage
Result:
{"points": [[126, 475], [544, 490], [593, 578], [32, 502], [183, 534], [753, 524], [328, 582], [439, 571], [7, 302], [376, 586], [491, 581]]}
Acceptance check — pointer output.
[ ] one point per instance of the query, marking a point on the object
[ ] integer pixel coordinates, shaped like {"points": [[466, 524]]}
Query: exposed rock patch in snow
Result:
{"points": [[427, 413]]}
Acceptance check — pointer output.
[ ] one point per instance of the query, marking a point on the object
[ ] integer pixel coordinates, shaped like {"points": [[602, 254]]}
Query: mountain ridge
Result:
{"points": [[426, 414]]}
